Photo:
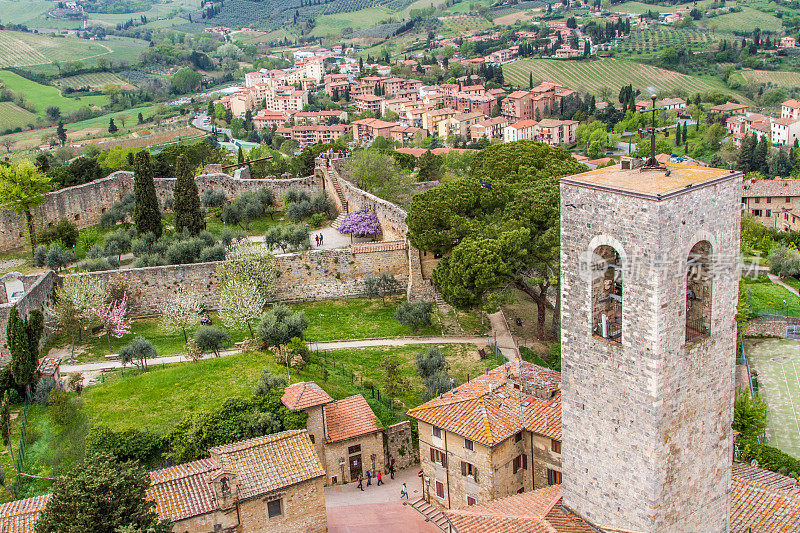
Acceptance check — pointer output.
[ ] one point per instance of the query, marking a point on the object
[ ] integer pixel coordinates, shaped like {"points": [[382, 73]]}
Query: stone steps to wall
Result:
{"points": [[431, 514], [338, 222]]}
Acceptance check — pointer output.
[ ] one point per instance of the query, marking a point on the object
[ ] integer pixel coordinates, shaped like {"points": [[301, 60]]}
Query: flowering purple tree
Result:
{"points": [[363, 223], [113, 318]]}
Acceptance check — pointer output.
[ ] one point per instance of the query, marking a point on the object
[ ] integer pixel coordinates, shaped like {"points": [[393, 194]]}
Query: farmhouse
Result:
{"points": [[774, 203]]}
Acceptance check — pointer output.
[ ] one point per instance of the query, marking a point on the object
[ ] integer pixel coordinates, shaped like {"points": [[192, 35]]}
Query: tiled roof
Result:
{"points": [[49, 365], [537, 511], [791, 103], [183, 491], [490, 408], [523, 124], [304, 395], [763, 502], [766, 188], [349, 418], [20, 516], [729, 106], [267, 463]]}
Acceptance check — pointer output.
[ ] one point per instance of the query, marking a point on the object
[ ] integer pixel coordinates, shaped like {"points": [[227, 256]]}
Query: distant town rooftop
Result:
{"points": [[652, 184]]}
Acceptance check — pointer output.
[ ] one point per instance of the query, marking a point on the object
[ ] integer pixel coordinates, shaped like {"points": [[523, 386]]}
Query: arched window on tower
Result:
{"points": [[698, 292], [607, 294]]}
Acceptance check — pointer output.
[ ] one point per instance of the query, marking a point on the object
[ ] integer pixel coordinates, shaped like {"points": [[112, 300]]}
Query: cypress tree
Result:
{"points": [[240, 156], [146, 213], [678, 136], [23, 342], [186, 200], [744, 159], [760, 157], [685, 138]]}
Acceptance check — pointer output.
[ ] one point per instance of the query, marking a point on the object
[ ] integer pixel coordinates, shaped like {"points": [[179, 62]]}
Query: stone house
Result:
{"points": [[774, 203], [272, 483], [345, 433], [496, 435]]}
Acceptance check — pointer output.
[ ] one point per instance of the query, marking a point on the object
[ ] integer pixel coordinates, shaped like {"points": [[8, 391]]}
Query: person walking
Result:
{"points": [[391, 469], [369, 478], [321, 239], [379, 476], [403, 492], [361, 482]]}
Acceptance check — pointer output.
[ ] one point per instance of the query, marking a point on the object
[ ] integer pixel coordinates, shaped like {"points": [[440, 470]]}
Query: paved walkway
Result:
{"points": [[327, 345], [776, 279], [376, 508], [331, 239], [505, 340]]}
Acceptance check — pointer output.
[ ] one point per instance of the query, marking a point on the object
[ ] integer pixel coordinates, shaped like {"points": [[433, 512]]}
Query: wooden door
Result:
{"points": [[355, 466]]}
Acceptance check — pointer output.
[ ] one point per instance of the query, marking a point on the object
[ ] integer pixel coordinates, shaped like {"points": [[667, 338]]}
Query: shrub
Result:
{"points": [[57, 257], [295, 196], [279, 326], [430, 362], [130, 444], [149, 260], [213, 253], [749, 414], [213, 198], [768, 457], [40, 255], [96, 265], [86, 239], [415, 315], [269, 381], [210, 338], [43, 389], [184, 252], [318, 220], [297, 211], [321, 204], [64, 231], [75, 382]]}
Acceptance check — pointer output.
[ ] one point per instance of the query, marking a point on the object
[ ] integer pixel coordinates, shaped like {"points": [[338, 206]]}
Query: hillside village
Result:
{"points": [[337, 266]]}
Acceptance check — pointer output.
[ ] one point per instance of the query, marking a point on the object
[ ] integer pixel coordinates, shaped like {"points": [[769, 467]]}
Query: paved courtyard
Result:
{"points": [[777, 362], [377, 508]]}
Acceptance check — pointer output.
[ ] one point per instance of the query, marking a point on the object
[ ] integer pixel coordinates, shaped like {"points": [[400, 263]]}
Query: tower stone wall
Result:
{"points": [[647, 416]]}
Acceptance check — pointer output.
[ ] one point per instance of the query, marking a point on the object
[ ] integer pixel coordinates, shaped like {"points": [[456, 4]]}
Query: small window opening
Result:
{"points": [[607, 294], [698, 292]]}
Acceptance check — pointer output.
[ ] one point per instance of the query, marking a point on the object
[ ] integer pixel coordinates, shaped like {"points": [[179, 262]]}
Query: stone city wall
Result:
{"points": [[311, 275], [84, 204], [38, 291], [769, 328], [399, 446]]}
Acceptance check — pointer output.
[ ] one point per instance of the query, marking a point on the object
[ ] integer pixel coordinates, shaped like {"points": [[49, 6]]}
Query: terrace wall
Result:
{"points": [[84, 204], [38, 291]]}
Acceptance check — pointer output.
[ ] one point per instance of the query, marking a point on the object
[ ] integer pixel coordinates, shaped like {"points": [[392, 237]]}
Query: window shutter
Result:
{"points": [[433, 457], [524, 461], [463, 468], [475, 472], [444, 459]]}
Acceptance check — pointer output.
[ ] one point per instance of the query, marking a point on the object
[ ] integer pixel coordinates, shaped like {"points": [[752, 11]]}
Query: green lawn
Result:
{"points": [[356, 318], [335, 23], [23, 11], [746, 20], [765, 297], [638, 8], [43, 96]]}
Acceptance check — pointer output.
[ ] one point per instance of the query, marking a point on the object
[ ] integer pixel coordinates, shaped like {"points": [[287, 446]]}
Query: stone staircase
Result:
{"points": [[338, 187], [338, 222], [431, 514]]}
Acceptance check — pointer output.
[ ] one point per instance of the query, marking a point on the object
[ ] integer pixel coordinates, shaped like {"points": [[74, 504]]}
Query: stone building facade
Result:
{"points": [[496, 435], [649, 349]]}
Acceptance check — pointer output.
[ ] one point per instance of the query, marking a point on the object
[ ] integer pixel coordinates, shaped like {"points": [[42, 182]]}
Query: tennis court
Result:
{"points": [[777, 362]]}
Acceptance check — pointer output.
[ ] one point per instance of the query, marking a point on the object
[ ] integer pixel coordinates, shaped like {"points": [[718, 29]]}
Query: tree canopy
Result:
{"points": [[22, 188], [498, 226]]}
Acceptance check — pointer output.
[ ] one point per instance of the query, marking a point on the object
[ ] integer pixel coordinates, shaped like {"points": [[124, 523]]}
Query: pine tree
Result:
{"points": [[112, 128], [186, 200], [146, 213], [61, 133]]}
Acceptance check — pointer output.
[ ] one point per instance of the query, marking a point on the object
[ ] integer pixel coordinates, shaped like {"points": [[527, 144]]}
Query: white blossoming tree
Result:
{"points": [[73, 302], [246, 283], [182, 311]]}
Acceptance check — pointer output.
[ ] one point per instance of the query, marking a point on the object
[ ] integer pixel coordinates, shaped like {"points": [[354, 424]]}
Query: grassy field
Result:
{"points": [[20, 49], [765, 297], [459, 24], [782, 78], [592, 76], [43, 96], [12, 116], [777, 362], [97, 80], [23, 11], [745, 21], [638, 8], [363, 18], [158, 399]]}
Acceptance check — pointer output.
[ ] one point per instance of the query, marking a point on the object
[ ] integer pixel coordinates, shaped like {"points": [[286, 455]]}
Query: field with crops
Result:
{"points": [[94, 81], [13, 116], [458, 24], [648, 40], [637, 8], [43, 96], [781, 78], [745, 21], [333, 24], [20, 49], [593, 76]]}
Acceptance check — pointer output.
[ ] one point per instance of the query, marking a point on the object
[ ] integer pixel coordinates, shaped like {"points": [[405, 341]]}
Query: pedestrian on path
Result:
{"points": [[369, 478], [321, 239], [361, 482], [403, 492], [380, 478], [391, 469]]}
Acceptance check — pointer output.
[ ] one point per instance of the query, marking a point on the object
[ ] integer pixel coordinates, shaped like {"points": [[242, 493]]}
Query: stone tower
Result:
{"points": [[650, 270]]}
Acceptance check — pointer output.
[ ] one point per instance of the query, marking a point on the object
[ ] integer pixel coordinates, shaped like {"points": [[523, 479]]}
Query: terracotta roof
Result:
{"points": [[729, 106], [20, 516], [183, 491], [537, 511], [490, 408], [349, 418], [523, 124], [767, 188], [271, 462], [553, 123], [791, 103], [304, 395], [763, 501], [417, 152]]}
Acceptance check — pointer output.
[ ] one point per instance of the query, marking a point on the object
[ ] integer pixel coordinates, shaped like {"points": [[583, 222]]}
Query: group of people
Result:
{"points": [[318, 238], [379, 480]]}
